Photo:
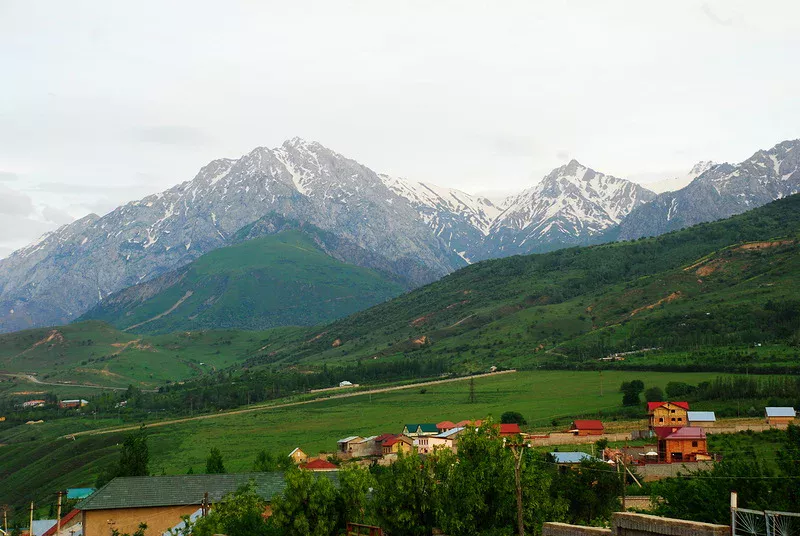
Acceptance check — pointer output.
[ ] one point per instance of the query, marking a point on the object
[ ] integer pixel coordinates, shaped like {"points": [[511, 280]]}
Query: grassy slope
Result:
{"points": [[277, 280], [34, 463], [505, 311], [95, 353]]}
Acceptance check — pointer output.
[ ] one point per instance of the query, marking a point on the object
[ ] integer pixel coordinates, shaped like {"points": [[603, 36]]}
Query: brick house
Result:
{"points": [[587, 427], [779, 415], [681, 444]]}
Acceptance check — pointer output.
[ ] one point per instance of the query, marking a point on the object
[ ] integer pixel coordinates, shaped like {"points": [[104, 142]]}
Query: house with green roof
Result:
{"points": [[161, 501], [416, 430]]}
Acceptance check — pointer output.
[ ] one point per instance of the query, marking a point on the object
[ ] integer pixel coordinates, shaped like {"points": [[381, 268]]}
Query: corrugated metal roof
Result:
{"points": [[701, 416], [349, 439], [571, 457], [780, 411], [178, 490], [450, 432]]}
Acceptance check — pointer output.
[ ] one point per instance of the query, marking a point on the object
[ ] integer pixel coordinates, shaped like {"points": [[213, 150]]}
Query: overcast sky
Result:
{"points": [[104, 102]]}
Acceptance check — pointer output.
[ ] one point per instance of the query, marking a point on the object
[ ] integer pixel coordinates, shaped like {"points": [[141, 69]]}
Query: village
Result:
{"points": [[676, 439]]}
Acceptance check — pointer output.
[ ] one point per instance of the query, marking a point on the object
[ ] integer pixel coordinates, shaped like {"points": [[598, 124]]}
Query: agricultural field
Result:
{"points": [[35, 460]]}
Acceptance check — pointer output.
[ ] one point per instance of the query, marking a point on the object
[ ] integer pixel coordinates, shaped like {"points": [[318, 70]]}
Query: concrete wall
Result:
{"points": [[628, 524], [561, 438], [657, 471], [562, 529]]}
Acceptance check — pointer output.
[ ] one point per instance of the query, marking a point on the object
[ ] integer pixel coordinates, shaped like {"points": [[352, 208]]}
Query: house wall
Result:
{"points": [[590, 432], [669, 415], [780, 420], [628, 524], [684, 447], [126, 520]]}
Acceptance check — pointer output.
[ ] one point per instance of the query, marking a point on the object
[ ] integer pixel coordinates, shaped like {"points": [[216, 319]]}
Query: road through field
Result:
{"points": [[267, 407]]}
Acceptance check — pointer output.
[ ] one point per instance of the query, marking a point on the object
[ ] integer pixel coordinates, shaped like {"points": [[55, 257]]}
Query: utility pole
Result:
{"points": [[30, 527], [472, 390], [58, 516], [5, 519]]}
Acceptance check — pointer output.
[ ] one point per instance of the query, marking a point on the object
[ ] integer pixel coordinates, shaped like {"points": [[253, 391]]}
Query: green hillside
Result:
{"points": [[95, 353], [272, 281], [581, 304]]}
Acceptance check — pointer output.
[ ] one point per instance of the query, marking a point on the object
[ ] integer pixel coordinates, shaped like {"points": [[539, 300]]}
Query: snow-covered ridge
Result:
{"points": [[478, 211]]}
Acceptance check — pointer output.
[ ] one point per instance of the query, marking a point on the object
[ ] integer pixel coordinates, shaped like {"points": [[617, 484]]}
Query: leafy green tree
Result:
{"points": [[307, 506], [789, 463], [654, 394], [214, 463], [265, 462], [477, 491], [406, 496], [240, 513], [512, 417], [630, 392], [592, 491], [353, 502], [135, 455], [133, 460]]}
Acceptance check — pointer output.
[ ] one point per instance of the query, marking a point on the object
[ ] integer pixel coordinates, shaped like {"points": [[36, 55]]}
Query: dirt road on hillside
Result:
{"points": [[278, 406]]}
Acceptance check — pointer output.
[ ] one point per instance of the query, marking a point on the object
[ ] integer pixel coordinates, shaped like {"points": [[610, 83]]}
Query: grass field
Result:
{"points": [[35, 463]]}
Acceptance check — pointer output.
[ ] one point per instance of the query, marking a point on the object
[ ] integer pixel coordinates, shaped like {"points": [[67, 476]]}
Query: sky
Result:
{"points": [[105, 102]]}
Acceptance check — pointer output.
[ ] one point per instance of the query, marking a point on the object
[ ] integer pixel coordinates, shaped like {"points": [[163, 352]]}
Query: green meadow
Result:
{"points": [[36, 461]]}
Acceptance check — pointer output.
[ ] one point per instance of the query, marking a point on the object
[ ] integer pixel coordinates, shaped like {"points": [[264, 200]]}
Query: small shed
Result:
{"points": [[704, 419], [587, 427], [777, 415]]}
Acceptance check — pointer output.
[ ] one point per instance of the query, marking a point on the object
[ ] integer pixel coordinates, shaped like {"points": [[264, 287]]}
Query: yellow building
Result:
{"points": [[298, 456]]}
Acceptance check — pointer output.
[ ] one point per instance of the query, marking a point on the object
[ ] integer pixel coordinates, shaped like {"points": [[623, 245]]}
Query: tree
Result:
{"points": [[406, 498], [135, 455], [592, 491], [630, 392], [789, 463], [265, 462], [490, 483], [512, 417], [214, 464], [133, 460], [240, 513], [353, 502], [654, 394], [307, 506]]}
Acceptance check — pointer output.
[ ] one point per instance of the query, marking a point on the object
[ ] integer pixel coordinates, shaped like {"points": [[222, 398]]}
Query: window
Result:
{"points": [[680, 419], [672, 411], [694, 443], [661, 419]]}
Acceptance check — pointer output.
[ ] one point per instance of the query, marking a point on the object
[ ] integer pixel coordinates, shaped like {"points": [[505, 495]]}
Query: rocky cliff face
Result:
{"points": [[68, 271], [417, 231], [720, 192], [572, 205]]}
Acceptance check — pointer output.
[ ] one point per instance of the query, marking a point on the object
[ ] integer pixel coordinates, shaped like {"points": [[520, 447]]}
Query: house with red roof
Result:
{"points": [[319, 465], [397, 444], [667, 414], [510, 430], [468, 422], [445, 426], [587, 427], [681, 444]]}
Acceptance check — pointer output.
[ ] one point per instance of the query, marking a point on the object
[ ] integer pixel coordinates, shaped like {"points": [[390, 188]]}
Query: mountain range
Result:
{"points": [[418, 232]]}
